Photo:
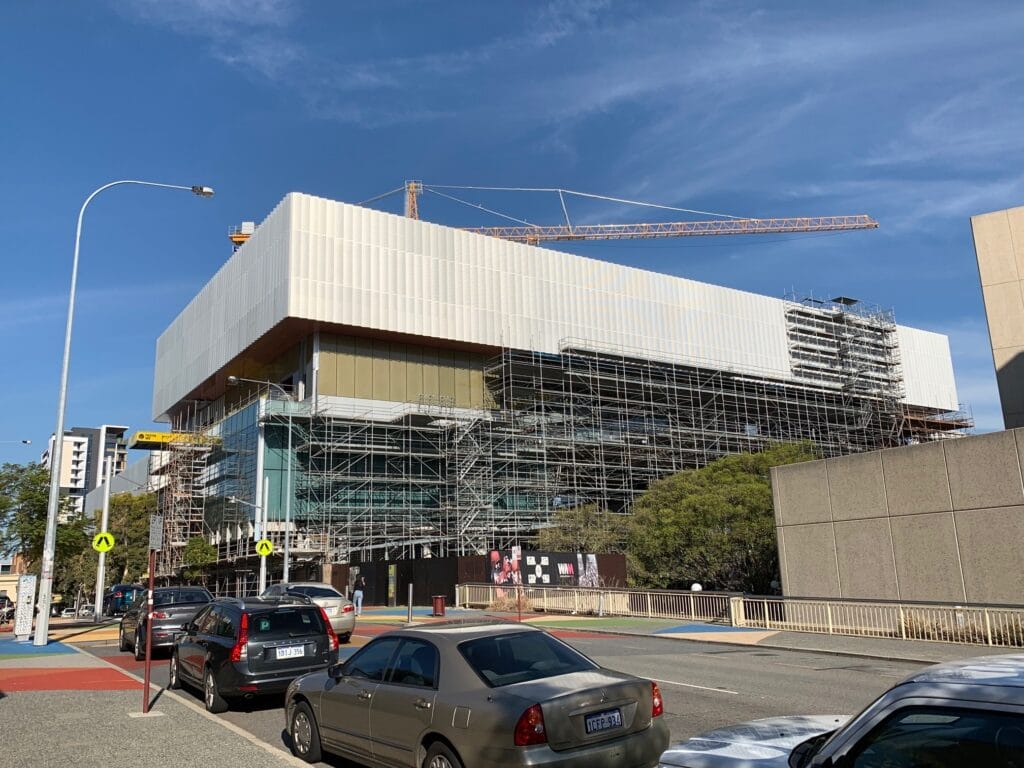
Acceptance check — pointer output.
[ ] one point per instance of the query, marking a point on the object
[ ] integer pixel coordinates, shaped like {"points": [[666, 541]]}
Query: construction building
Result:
{"points": [[402, 389]]}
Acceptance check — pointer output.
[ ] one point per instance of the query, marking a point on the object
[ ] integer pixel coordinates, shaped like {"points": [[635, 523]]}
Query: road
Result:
{"points": [[705, 685]]}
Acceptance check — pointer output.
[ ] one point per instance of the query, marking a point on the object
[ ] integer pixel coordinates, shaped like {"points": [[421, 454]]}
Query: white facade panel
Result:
{"points": [[337, 263], [927, 369]]}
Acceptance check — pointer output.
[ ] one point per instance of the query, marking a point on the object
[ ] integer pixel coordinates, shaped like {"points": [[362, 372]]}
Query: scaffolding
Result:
{"points": [[588, 425]]}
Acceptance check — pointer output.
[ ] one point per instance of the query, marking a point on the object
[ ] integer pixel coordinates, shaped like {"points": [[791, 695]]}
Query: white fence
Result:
{"points": [[1000, 626]]}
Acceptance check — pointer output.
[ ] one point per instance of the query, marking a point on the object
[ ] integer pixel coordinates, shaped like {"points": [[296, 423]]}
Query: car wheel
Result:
{"points": [[173, 679], [121, 644], [441, 756], [211, 696], [305, 734], [346, 638], [140, 649]]}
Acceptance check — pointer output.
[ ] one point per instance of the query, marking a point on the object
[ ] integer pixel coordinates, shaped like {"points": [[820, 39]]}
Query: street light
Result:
{"points": [[50, 542], [23, 442], [261, 530], [234, 381]]}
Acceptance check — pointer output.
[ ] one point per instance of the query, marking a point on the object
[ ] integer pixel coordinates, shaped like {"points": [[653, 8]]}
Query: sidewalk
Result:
{"points": [[62, 706]]}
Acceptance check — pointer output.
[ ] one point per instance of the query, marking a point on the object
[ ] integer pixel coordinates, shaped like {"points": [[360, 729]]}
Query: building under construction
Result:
{"points": [[403, 389]]}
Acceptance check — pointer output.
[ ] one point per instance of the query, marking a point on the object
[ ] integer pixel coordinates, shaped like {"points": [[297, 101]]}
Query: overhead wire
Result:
{"points": [[478, 206]]}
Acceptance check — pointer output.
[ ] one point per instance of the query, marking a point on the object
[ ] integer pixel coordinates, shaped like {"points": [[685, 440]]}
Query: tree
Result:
{"points": [[129, 522], [24, 498], [197, 555], [585, 528], [713, 525]]}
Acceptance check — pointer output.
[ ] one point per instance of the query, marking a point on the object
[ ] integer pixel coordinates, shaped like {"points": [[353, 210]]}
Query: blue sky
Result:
{"points": [[909, 112]]}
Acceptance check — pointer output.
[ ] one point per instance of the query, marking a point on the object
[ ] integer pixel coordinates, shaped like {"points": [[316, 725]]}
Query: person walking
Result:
{"points": [[357, 594]]}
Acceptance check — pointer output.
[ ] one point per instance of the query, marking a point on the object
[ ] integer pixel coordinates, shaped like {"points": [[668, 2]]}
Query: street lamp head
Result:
{"points": [[202, 191], [232, 381], [27, 442]]}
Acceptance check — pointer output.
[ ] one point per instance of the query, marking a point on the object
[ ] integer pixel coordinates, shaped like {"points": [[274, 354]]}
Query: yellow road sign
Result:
{"points": [[103, 542], [264, 547]]}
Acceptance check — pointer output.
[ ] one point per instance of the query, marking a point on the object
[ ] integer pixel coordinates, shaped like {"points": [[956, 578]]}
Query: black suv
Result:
{"points": [[236, 648]]}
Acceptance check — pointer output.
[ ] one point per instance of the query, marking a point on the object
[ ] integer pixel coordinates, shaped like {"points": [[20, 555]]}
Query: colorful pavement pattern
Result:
{"points": [[55, 667]]}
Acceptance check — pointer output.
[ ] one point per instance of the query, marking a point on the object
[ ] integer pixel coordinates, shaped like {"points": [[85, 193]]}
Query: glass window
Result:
{"points": [[372, 661], [226, 623], [316, 591], [201, 619], [940, 737], [415, 664], [514, 657], [282, 623]]}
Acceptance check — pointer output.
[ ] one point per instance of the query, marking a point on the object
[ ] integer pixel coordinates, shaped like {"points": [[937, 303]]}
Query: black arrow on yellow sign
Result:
{"points": [[103, 542]]}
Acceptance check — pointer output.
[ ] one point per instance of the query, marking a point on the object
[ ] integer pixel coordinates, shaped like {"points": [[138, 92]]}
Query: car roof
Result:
{"points": [[256, 604], [308, 584], [457, 631], [1007, 671]]}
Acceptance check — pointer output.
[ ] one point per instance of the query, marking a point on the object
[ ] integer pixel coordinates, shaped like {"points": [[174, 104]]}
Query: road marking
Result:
{"points": [[701, 687]]}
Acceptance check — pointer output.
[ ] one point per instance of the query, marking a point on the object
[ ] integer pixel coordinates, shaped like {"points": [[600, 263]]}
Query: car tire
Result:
{"points": [[214, 702], [440, 755], [138, 648], [121, 644], [174, 673], [346, 638], [305, 734]]}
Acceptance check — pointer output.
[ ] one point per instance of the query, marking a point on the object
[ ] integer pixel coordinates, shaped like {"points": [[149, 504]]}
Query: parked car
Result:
{"points": [[964, 713], [119, 597], [339, 608], [448, 695], [172, 607], [68, 613], [238, 648]]}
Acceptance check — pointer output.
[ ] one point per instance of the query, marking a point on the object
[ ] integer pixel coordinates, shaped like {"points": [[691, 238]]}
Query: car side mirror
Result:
{"points": [[186, 627], [337, 670]]}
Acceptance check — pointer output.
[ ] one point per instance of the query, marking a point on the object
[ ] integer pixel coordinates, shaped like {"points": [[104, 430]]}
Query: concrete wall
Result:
{"points": [[939, 522], [999, 247]]}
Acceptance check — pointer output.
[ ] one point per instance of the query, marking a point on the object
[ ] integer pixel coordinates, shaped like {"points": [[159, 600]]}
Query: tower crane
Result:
{"points": [[533, 234]]}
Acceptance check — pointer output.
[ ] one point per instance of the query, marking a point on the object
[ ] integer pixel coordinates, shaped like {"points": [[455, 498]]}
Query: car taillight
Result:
{"points": [[348, 608], [530, 728], [658, 705], [335, 645], [239, 652], [117, 594], [161, 615]]}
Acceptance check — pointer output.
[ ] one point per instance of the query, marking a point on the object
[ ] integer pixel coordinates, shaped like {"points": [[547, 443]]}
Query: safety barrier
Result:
{"points": [[997, 626]]}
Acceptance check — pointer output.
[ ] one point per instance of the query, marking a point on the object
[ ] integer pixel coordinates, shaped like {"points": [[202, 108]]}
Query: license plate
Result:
{"points": [[290, 652], [603, 721]]}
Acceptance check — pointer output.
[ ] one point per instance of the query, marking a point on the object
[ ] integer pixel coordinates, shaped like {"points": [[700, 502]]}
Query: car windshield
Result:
{"points": [[283, 623], [181, 597], [516, 657], [315, 591]]}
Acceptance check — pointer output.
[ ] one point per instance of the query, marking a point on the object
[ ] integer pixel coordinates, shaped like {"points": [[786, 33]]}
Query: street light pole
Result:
{"points": [[286, 568], [101, 565], [56, 455]]}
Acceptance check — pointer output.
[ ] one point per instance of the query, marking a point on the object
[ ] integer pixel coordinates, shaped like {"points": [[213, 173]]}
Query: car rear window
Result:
{"points": [[181, 596], [516, 657], [282, 623], [316, 591]]}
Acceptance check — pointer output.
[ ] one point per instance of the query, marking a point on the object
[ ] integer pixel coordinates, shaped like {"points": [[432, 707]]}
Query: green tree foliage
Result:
{"points": [[198, 554], [129, 522], [24, 495], [585, 528], [713, 525]]}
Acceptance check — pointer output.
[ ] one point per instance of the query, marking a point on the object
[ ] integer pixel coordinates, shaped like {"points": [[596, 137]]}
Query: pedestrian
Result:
{"points": [[357, 594]]}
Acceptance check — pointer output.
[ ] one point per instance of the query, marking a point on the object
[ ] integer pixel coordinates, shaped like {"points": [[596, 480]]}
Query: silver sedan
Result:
{"points": [[339, 609], [449, 695]]}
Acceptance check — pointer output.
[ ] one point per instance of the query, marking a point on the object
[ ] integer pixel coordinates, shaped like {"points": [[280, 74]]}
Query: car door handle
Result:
{"points": [[364, 695], [422, 704]]}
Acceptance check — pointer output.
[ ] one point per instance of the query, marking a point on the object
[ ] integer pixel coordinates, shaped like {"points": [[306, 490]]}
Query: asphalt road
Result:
{"points": [[705, 685]]}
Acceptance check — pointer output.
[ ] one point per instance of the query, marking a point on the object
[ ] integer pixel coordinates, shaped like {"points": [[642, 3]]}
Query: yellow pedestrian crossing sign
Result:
{"points": [[264, 547], [103, 542]]}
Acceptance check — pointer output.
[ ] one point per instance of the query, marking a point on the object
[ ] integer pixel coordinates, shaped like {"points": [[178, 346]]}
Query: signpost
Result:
{"points": [[26, 602], [156, 542]]}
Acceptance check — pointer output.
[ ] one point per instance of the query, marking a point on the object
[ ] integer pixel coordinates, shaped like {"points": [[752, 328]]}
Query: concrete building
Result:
{"points": [[443, 391], [942, 522], [84, 459], [999, 247]]}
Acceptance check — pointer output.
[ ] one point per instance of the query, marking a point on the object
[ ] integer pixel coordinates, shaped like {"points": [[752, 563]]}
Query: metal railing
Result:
{"points": [[991, 625]]}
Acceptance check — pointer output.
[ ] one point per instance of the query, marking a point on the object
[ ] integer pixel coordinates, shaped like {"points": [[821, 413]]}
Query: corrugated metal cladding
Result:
{"points": [[338, 263]]}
